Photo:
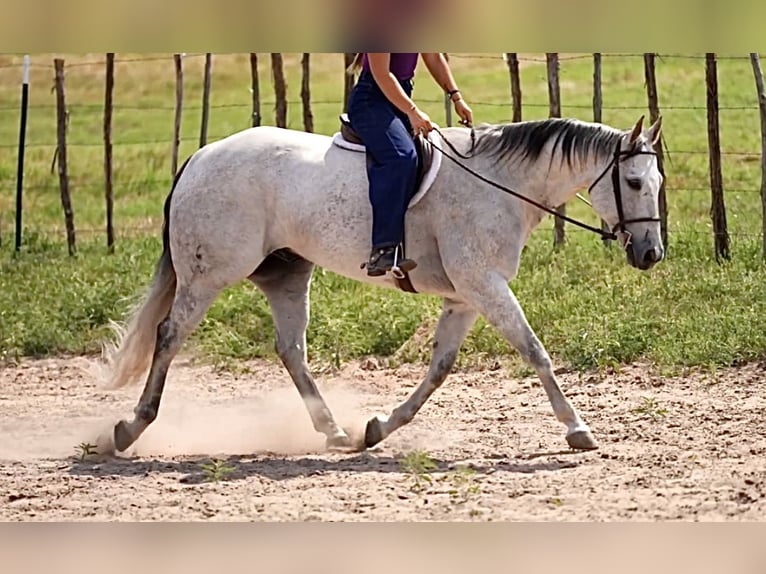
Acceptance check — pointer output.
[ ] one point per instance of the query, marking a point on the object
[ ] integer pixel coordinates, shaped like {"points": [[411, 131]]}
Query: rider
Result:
{"points": [[384, 116]]}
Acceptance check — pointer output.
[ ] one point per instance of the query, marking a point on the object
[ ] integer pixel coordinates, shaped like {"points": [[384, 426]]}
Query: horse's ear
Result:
{"points": [[653, 133], [636, 130]]}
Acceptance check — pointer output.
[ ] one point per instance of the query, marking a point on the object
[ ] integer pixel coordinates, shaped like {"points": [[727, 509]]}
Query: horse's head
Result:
{"points": [[627, 195]]}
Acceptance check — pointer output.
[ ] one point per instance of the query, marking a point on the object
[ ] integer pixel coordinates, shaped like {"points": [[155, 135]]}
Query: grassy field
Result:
{"points": [[588, 307]]}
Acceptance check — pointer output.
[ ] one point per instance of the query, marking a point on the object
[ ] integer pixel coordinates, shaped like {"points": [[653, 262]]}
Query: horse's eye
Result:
{"points": [[634, 183]]}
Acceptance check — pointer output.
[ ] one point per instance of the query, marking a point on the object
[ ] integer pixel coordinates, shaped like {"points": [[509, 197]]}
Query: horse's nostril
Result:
{"points": [[651, 255]]}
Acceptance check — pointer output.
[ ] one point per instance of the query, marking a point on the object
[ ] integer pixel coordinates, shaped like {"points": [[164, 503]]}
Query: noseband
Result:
{"points": [[614, 165]]}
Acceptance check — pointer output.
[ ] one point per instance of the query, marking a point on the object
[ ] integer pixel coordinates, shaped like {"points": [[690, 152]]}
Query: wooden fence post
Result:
{"points": [[761, 93], [512, 61], [255, 89], [178, 60], [447, 103], [62, 120], [598, 107], [205, 100], [308, 115], [654, 114], [280, 89], [718, 207], [554, 98], [597, 95], [108, 190]]}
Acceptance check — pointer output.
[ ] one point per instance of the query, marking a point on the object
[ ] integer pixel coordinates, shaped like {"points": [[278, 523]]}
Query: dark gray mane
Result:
{"points": [[528, 139]]}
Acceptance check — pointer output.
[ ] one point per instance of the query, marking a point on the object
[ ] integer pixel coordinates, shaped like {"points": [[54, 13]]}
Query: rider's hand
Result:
{"points": [[420, 121], [464, 112]]}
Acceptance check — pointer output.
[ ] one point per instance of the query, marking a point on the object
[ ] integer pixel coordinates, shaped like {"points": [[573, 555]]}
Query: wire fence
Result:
{"points": [[745, 160]]}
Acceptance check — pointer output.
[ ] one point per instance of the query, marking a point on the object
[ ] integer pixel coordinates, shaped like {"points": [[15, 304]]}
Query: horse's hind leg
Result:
{"points": [[454, 323], [189, 307], [285, 281]]}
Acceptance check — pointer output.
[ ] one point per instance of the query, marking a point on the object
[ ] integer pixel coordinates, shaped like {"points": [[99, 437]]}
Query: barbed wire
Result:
{"points": [[266, 103], [566, 57], [186, 56], [211, 138], [480, 56], [99, 107]]}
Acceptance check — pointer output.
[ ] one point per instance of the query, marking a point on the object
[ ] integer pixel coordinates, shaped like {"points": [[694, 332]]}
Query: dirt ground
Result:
{"points": [[689, 447]]}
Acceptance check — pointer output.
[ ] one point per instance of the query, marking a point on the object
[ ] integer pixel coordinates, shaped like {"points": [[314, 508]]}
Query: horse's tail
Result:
{"points": [[129, 356]]}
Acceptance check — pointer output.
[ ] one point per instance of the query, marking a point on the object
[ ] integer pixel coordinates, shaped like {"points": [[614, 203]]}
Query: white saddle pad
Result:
{"points": [[428, 178]]}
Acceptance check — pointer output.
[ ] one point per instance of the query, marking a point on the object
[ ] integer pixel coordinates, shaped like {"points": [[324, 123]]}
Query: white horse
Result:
{"points": [[268, 204]]}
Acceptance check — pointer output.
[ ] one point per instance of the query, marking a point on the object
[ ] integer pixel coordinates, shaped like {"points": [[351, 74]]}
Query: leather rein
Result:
{"points": [[618, 156]]}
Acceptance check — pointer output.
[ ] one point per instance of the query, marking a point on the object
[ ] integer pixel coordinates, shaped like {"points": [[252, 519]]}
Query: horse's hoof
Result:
{"points": [[582, 440], [123, 438], [373, 433]]}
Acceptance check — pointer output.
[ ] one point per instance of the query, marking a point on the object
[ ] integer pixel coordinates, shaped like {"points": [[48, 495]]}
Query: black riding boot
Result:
{"points": [[382, 261]]}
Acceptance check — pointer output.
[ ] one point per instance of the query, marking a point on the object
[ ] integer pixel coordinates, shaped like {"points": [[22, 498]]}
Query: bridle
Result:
{"points": [[618, 156]]}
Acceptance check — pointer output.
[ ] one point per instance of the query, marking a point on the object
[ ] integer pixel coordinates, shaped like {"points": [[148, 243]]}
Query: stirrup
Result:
{"points": [[400, 268]]}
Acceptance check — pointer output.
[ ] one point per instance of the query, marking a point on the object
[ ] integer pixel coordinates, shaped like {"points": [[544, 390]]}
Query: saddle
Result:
{"points": [[424, 151], [425, 159]]}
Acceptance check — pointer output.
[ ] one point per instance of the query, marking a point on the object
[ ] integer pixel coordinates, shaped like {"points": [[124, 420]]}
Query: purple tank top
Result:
{"points": [[401, 65]]}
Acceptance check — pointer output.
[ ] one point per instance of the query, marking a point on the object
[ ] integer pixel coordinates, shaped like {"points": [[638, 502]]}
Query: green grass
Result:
{"points": [[216, 470], [590, 309]]}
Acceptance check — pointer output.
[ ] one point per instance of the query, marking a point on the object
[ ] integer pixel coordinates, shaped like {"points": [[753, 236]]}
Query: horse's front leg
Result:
{"points": [[454, 323], [493, 298]]}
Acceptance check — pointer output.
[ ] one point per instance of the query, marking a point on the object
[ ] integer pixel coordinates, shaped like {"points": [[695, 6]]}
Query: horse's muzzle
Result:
{"points": [[644, 256]]}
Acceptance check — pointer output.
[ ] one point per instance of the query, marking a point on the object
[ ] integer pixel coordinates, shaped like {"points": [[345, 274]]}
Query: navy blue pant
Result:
{"points": [[392, 160]]}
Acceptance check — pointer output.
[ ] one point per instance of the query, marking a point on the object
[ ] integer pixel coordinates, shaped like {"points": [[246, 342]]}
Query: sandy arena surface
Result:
{"points": [[689, 447]]}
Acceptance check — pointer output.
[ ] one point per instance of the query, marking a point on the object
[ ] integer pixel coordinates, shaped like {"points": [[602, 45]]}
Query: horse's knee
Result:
{"points": [[287, 349]]}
